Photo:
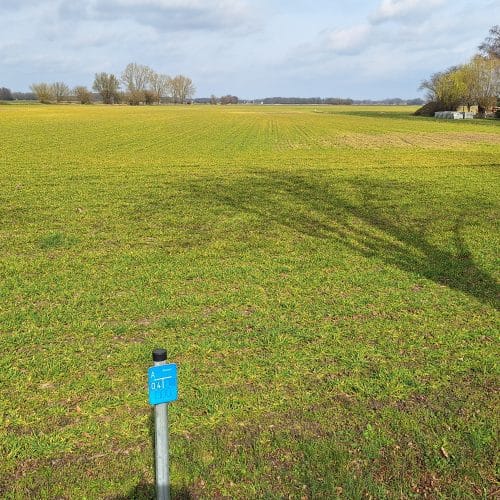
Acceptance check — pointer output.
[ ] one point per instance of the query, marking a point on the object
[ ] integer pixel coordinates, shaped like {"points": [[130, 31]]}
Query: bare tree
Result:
{"points": [[491, 45], [182, 88], [136, 77], [43, 92], [60, 91], [107, 86], [83, 94], [159, 84], [213, 99]]}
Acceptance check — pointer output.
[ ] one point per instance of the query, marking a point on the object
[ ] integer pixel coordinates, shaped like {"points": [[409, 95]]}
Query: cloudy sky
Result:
{"points": [[250, 48]]}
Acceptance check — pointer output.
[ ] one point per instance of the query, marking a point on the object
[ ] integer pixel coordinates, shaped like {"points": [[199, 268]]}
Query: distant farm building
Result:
{"points": [[454, 115]]}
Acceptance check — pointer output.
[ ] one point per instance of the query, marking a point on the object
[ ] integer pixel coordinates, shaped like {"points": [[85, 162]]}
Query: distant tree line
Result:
{"points": [[395, 101], [7, 95], [84, 95], [303, 100], [229, 99], [138, 84], [340, 101], [475, 83]]}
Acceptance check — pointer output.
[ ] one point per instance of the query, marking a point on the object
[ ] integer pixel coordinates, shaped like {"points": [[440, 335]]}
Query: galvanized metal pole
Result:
{"points": [[161, 438]]}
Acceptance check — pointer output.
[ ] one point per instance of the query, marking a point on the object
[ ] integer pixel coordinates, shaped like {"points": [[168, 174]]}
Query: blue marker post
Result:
{"points": [[162, 385]]}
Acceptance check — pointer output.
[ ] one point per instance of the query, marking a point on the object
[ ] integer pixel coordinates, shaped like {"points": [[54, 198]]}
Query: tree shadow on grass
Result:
{"points": [[368, 216]]}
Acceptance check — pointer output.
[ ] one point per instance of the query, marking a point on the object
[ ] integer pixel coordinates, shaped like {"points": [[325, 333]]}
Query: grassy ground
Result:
{"points": [[325, 278]]}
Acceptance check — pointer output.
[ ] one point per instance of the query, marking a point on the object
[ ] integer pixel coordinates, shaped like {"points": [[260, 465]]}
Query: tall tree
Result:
{"points": [[481, 81], [60, 91], [467, 84], [107, 85], [182, 88], [135, 77], [444, 88], [486, 71], [43, 92], [491, 45], [159, 84]]}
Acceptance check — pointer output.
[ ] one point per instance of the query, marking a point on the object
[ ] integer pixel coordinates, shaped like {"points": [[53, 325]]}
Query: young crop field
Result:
{"points": [[326, 279]]}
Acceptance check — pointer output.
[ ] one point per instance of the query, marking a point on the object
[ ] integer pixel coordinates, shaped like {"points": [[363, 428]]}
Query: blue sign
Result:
{"points": [[162, 384]]}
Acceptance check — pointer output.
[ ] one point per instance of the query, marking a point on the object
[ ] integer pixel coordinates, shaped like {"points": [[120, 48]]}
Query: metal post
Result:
{"points": [[161, 438]]}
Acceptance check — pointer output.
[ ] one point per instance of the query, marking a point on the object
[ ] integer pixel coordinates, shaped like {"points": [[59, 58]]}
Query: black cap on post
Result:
{"points": [[160, 355]]}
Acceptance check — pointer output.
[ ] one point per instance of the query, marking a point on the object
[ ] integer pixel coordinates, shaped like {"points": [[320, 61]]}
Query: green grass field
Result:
{"points": [[326, 279]]}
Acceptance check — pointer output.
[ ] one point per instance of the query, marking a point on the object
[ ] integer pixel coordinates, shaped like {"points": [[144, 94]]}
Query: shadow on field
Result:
{"points": [[366, 215]]}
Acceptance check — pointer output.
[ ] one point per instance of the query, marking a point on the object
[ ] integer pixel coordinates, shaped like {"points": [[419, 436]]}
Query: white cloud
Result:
{"points": [[218, 5], [365, 36], [167, 15], [348, 41], [389, 49], [390, 10]]}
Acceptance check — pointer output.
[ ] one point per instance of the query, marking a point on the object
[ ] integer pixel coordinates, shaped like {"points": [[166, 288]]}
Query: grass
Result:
{"points": [[326, 279]]}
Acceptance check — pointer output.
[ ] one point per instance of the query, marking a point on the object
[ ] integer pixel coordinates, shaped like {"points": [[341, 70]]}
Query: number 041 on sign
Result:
{"points": [[162, 384]]}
